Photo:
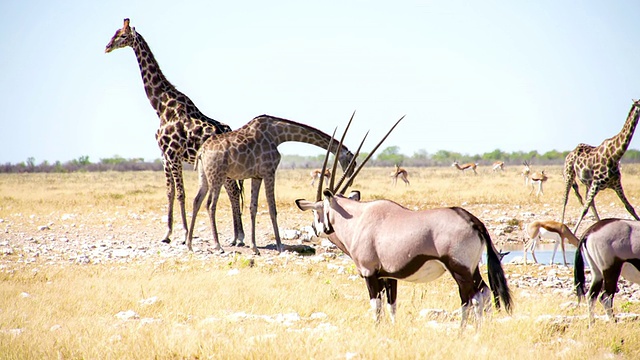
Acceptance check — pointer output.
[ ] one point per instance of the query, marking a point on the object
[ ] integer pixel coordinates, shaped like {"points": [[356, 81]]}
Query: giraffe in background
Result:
{"points": [[599, 167], [183, 128], [252, 152]]}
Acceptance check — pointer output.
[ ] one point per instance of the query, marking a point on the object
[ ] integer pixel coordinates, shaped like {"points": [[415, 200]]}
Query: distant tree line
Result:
{"points": [[387, 157]]}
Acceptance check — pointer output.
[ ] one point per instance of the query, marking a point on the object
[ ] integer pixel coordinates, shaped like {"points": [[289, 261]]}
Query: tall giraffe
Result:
{"points": [[252, 152], [598, 168], [183, 128]]}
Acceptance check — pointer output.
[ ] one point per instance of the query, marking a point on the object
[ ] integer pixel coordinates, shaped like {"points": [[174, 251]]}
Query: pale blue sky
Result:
{"points": [[470, 76]]}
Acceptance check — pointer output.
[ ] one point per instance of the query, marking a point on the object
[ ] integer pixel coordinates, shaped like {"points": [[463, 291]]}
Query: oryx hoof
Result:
{"points": [[166, 241], [256, 251]]}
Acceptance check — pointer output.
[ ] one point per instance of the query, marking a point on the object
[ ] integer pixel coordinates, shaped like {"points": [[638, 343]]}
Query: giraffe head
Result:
{"points": [[122, 38]]}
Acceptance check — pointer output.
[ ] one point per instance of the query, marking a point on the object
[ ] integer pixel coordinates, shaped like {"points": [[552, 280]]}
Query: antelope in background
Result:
{"points": [[498, 165], [612, 248], [401, 173], [548, 229], [464, 167], [315, 175], [388, 242], [537, 178], [526, 170]]}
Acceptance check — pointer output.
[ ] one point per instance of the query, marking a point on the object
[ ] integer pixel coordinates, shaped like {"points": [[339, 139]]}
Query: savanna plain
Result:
{"points": [[83, 274]]}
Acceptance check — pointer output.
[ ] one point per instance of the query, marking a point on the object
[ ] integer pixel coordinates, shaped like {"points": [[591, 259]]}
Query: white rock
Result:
{"points": [[150, 301], [127, 315]]}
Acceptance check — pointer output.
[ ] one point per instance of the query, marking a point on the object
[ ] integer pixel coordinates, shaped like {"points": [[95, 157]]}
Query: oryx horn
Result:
{"points": [[355, 173], [352, 162], [324, 166], [335, 160]]}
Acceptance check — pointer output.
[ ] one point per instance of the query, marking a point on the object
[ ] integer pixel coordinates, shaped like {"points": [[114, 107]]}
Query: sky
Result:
{"points": [[470, 76]]}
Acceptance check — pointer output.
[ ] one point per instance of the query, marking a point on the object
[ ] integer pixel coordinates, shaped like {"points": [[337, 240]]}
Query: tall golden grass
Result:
{"points": [[284, 307]]}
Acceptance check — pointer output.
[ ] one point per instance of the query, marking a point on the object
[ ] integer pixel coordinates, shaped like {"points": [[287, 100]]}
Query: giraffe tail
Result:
{"points": [[198, 159]]}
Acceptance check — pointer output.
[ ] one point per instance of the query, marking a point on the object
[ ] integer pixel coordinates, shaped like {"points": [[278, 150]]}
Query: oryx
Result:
{"points": [[612, 248], [389, 242]]}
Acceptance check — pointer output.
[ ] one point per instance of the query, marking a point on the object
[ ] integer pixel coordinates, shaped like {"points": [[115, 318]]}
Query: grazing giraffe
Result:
{"points": [[400, 173], [183, 128], [252, 152], [465, 167], [598, 168], [315, 175]]}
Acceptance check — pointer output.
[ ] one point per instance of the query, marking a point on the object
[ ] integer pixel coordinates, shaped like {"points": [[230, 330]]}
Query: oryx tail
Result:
{"points": [[578, 271], [495, 273]]}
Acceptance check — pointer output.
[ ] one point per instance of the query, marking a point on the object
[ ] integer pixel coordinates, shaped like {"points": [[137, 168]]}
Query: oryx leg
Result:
{"points": [[611, 276], [594, 290], [374, 285], [484, 293], [467, 290], [391, 287]]}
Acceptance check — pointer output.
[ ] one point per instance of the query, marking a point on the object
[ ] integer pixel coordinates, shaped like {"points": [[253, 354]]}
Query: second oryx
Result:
{"points": [[389, 242]]}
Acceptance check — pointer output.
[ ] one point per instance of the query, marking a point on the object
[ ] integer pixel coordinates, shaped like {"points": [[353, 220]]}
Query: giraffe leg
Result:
{"points": [[176, 171], [233, 191], [623, 198], [269, 188], [197, 202], [212, 202], [171, 192], [593, 190], [253, 209], [569, 177]]}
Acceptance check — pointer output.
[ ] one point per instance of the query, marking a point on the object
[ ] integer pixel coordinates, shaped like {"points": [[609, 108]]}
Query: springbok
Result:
{"points": [[526, 170], [612, 248], [400, 173], [549, 229], [464, 167], [498, 165], [315, 175], [251, 152], [537, 178], [388, 242]]}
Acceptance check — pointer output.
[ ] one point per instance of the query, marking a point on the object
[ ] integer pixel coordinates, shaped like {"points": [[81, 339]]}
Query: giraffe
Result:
{"points": [[183, 128], [252, 152], [399, 173], [598, 168]]}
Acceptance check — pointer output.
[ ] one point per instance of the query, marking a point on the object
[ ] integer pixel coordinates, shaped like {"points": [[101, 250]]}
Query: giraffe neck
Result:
{"points": [[619, 143], [155, 83], [282, 130]]}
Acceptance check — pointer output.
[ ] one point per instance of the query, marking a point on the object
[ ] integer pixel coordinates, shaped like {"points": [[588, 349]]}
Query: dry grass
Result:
{"points": [[293, 307]]}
